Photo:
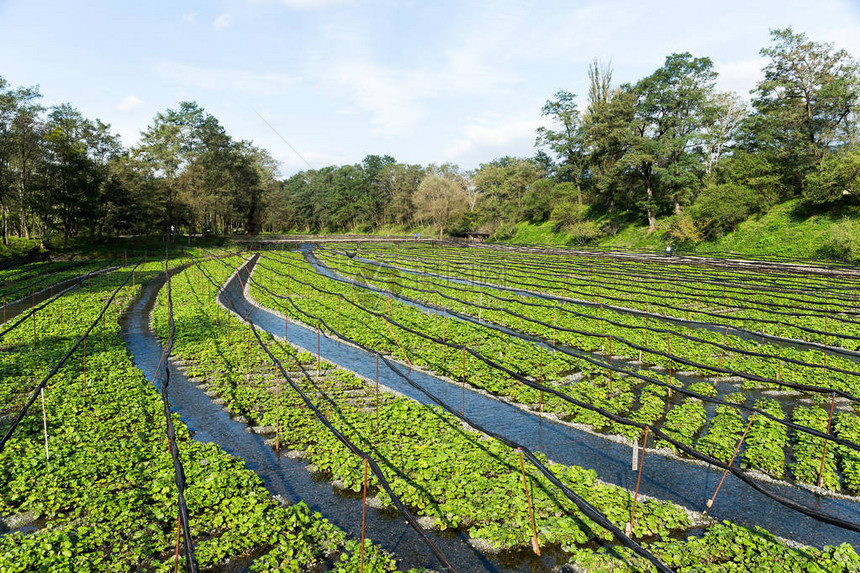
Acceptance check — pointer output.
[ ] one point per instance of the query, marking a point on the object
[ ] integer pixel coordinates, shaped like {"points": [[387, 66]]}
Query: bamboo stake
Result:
{"points": [[535, 545], [463, 383], [541, 376], [628, 529], [277, 413], [363, 514], [824, 452], [377, 392], [726, 471], [45, 426]]}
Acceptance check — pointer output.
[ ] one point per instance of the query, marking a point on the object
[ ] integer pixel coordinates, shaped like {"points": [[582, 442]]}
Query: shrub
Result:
{"points": [[843, 241], [568, 212], [583, 232], [686, 231], [720, 208], [837, 179]]}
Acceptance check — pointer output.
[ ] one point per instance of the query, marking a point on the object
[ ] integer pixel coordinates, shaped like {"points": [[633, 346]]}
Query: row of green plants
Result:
{"points": [[21, 283], [750, 306], [775, 287], [105, 498], [691, 418], [436, 467], [603, 322], [684, 555], [615, 394]]}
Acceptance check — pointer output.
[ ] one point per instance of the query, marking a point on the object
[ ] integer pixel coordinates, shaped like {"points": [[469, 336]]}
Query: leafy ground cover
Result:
{"points": [[106, 497], [723, 547], [629, 396], [440, 470]]}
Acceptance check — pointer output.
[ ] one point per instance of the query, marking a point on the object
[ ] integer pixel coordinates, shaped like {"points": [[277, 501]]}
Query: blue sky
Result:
{"points": [[426, 82]]}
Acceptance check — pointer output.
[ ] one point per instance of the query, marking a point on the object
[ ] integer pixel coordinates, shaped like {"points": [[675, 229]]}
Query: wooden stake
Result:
{"points": [[726, 471], [45, 426], [535, 545], [629, 527], [824, 452]]}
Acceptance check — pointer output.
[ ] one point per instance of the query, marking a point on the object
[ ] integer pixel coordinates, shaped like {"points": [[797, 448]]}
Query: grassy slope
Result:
{"points": [[779, 231]]}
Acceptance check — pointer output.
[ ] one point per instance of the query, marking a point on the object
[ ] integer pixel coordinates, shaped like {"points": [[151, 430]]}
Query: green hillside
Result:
{"points": [[783, 230]]}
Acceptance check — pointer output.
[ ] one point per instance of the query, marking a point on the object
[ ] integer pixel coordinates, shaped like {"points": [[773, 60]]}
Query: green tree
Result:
{"points": [[401, 181], [671, 115], [805, 106], [502, 185], [441, 196], [21, 134], [568, 142], [837, 179], [75, 168]]}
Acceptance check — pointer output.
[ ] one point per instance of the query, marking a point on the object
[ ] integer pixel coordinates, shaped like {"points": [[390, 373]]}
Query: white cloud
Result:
{"points": [[740, 76], [216, 79], [129, 103], [490, 135], [189, 17], [313, 4], [222, 22], [397, 99]]}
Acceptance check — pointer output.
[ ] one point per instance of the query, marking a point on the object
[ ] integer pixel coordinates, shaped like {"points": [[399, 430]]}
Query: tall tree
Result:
{"points": [[441, 196], [20, 144], [502, 185], [75, 169], [568, 141], [401, 182], [671, 107], [806, 104], [168, 147], [722, 116]]}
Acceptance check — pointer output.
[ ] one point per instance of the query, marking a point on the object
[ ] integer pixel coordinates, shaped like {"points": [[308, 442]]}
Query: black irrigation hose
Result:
{"points": [[162, 374], [621, 420], [342, 438], [586, 508], [465, 265], [49, 301], [44, 277], [817, 515], [681, 271], [637, 312], [613, 323], [600, 364], [750, 264], [60, 364], [698, 293], [610, 271]]}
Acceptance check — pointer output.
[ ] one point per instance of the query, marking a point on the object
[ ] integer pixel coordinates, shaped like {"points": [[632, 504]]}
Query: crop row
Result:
{"points": [[614, 394], [669, 275], [770, 549], [105, 498], [587, 329], [751, 309], [439, 469]]}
